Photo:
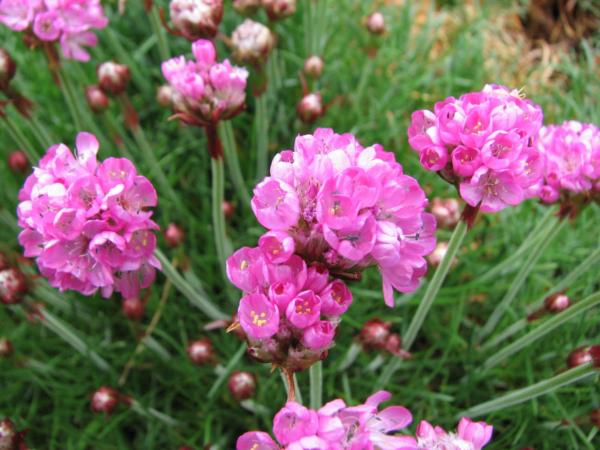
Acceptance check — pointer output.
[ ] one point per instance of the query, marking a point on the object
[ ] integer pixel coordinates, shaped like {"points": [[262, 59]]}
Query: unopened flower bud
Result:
{"points": [[595, 417], [133, 308], [242, 385], [201, 351], [579, 356], [7, 68], [279, 9], [246, 6], [228, 209], [196, 19], [113, 77], [595, 353], [435, 257], [17, 161], [252, 42], [375, 23], [446, 211], [313, 66], [6, 348], [9, 437], [105, 400], [96, 99], [557, 303], [164, 95], [174, 235], [13, 286], [374, 334], [310, 108]]}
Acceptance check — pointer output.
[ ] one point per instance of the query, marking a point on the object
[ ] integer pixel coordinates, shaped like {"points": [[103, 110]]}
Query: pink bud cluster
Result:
{"points": [[337, 426], [87, 222], [289, 312], [205, 91], [65, 21], [348, 207], [572, 155], [484, 143]]}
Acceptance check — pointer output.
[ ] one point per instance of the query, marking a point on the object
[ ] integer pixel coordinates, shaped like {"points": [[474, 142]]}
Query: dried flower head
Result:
{"points": [[242, 385], [96, 99], [113, 77]]}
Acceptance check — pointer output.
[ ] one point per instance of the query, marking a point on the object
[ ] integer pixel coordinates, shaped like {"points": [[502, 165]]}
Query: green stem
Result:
{"points": [[17, 135], [570, 376], [233, 163], [151, 412], [159, 32], [235, 359], [543, 243], [425, 305], [224, 247], [262, 137], [195, 298], [69, 98], [315, 374], [543, 329], [41, 132]]}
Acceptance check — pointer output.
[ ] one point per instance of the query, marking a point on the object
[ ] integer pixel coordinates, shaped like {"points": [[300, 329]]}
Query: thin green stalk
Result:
{"points": [[315, 374], [233, 163], [262, 136], [235, 359], [543, 329], [547, 220], [17, 135], [195, 298], [568, 377], [151, 412], [425, 305], [68, 94], [222, 242], [159, 32], [545, 240], [40, 132], [68, 334]]}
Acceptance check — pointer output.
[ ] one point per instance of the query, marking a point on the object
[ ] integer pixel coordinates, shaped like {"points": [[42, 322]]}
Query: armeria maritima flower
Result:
{"points": [[88, 223], [289, 311], [348, 207], [196, 19], [205, 91], [68, 22], [572, 155], [484, 143], [337, 426]]}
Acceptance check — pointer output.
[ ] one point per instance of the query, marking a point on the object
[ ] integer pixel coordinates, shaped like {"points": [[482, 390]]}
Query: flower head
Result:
{"points": [[572, 159], [469, 436], [348, 207], [204, 90], [196, 19], [88, 223], [68, 22], [484, 143], [252, 42], [279, 9]]}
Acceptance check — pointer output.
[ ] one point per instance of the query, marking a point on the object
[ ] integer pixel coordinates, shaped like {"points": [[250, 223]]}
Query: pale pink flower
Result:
{"points": [[88, 222], [484, 143], [196, 19]]}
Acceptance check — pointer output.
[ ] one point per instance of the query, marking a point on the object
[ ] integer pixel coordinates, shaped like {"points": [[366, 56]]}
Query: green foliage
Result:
{"points": [[47, 385]]}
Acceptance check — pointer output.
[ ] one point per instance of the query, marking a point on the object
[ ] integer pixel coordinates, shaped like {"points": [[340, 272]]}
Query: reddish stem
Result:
{"points": [[215, 148]]}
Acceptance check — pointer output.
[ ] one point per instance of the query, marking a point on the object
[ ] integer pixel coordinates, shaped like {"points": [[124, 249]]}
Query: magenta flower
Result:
{"points": [[484, 143], [68, 22], [572, 157], [205, 91], [88, 222], [336, 426], [348, 207], [289, 312]]}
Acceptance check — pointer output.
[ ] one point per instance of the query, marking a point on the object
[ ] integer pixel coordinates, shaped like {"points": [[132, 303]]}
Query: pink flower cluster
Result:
{"points": [[205, 91], [336, 426], [572, 155], [484, 143], [88, 223], [348, 207], [66, 21], [289, 312]]}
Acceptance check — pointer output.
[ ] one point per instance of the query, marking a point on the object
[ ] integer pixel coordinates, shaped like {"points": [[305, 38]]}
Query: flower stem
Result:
{"points": [[17, 135], [262, 136], [543, 329], [315, 374], [541, 245], [530, 392], [233, 163], [224, 247], [196, 298], [159, 32], [235, 359], [425, 305], [151, 412], [69, 95]]}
